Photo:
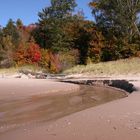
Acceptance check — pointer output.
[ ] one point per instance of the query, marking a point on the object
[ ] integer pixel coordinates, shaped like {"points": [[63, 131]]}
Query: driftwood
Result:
{"points": [[37, 75], [41, 75]]}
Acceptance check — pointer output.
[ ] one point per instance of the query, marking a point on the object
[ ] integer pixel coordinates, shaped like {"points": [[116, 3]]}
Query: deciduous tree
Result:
{"points": [[117, 16]]}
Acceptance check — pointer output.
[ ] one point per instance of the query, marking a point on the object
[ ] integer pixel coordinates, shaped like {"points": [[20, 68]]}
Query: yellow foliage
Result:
{"points": [[93, 4]]}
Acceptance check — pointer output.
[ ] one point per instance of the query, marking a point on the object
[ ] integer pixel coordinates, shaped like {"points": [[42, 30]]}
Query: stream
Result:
{"points": [[18, 112]]}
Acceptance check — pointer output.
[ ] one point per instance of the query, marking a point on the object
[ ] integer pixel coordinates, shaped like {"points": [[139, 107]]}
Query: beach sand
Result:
{"points": [[116, 120], [12, 87]]}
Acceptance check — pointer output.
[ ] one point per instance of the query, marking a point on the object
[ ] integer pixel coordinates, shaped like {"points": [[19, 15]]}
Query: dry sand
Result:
{"points": [[116, 120], [12, 87]]}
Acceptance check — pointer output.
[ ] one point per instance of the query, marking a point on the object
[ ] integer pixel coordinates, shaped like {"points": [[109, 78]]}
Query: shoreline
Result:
{"points": [[117, 120]]}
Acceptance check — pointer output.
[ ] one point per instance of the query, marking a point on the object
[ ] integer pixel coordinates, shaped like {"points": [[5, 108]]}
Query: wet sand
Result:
{"points": [[117, 120]]}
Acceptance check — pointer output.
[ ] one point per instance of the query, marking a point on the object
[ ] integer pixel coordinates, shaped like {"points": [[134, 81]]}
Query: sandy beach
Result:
{"points": [[12, 87], [115, 120]]}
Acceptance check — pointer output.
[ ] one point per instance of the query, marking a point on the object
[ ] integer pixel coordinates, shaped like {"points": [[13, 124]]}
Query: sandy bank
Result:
{"points": [[116, 120], [18, 88]]}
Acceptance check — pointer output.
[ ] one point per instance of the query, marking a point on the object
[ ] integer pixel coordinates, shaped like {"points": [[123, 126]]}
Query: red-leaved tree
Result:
{"points": [[33, 53]]}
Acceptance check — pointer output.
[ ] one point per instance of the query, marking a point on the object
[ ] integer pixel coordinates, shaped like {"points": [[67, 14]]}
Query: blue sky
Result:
{"points": [[27, 10]]}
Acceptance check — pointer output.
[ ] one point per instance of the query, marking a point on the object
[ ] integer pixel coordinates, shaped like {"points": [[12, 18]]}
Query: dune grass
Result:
{"points": [[8, 70], [17, 69], [120, 67]]}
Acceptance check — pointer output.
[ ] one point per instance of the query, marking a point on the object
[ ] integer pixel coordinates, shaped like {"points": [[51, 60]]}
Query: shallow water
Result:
{"points": [[36, 109]]}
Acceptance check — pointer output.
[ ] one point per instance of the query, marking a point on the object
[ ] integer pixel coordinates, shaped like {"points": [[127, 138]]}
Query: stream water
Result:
{"points": [[36, 109]]}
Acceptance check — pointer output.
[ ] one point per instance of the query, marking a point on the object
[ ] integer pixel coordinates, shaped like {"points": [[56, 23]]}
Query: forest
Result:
{"points": [[62, 38]]}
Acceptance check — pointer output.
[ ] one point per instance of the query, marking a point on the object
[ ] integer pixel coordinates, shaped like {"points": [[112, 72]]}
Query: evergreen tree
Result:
{"points": [[19, 23], [59, 9], [11, 30], [51, 22]]}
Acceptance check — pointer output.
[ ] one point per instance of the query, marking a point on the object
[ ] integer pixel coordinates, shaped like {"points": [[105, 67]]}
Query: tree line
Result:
{"points": [[62, 38]]}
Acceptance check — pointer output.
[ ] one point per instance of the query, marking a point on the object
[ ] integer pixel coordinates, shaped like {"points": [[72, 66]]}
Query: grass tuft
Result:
{"points": [[120, 67]]}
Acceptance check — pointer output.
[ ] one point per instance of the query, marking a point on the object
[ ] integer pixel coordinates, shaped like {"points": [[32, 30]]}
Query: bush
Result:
{"points": [[44, 60], [20, 55], [54, 63], [69, 59], [33, 53]]}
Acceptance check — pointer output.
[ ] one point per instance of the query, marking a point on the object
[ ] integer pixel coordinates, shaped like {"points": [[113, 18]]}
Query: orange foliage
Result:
{"points": [[20, 55], [93, 4], [96, 44], [27, 53], [54, 62], [33, 53]]}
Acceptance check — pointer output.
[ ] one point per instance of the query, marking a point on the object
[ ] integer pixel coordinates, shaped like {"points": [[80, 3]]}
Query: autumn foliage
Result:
{"points": [[31, 53], [62, 38], [20, 55]]}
